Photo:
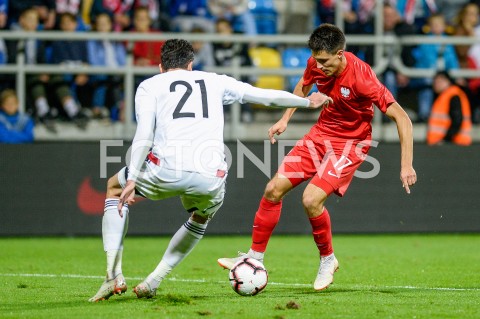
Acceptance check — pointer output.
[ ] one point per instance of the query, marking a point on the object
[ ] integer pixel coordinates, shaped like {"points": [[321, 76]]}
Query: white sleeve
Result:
{"points": [[276, 98], [143, 140], [244, 92]]}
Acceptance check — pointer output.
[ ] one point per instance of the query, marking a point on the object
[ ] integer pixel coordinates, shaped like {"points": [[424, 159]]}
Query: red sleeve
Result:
{"points": [[375, 90], [308, 77]]}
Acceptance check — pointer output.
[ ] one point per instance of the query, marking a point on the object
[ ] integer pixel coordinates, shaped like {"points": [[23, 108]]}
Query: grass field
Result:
{"points": [[380, 276]]}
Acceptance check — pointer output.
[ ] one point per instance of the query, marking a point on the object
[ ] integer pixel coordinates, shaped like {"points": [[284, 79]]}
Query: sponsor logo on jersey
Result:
{"points": [[345, 92]]}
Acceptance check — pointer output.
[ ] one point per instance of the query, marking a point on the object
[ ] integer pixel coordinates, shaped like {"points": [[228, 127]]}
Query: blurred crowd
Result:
{"points": [[81, 98]]}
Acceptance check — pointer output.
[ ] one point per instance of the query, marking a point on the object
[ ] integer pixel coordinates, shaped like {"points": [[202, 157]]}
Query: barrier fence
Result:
{"points": [[379, 41]]}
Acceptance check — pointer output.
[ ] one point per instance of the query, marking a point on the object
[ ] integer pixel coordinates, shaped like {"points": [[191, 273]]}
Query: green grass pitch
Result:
{"points": [[380, 276]]}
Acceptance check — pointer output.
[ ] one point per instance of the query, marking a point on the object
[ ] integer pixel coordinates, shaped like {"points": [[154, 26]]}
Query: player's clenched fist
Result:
{"points": [[318, 100]]}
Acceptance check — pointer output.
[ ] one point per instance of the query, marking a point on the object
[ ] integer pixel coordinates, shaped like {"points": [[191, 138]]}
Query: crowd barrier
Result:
{"points": [[124, 130]]}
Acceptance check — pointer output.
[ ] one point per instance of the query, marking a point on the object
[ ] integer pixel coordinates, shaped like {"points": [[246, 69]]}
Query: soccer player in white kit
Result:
{"points": [[178, 150]]}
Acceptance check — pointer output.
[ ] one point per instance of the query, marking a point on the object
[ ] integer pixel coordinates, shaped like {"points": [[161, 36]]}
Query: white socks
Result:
{"points": [[71, 107], [114, 229], [181, 244], [42, 107]]}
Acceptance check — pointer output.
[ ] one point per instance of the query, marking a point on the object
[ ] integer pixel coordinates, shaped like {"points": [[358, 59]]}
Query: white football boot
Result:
{"points": [[328, 266], [109, 288], [228, 263], [143, 290]]}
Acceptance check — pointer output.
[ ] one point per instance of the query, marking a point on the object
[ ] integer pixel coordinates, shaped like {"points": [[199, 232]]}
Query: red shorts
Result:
{"points": [[331, 163]]}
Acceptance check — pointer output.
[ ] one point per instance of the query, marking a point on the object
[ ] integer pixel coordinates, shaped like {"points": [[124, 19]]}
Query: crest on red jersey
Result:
{"points": [[345, 92]]}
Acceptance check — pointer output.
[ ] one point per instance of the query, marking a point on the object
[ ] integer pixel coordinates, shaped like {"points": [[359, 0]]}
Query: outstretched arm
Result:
{"points": [[279, 98], [280, 127], [408, 176]]}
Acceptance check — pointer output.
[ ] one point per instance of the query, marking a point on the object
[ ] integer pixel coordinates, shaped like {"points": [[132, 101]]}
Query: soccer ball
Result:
{"points": [[248, 277]]}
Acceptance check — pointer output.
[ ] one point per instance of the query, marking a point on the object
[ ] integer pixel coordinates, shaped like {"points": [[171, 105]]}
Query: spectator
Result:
{"points": [[119, 10], [72, 7], [187, 14], [6, 80], [105, 53], [145, 53], [450, 8], [203, 52], [15, 127], [72, 53], [153, 11], [224, 54], [474, 84], [357, 17], [46, 11], [237, 12], [432, 56], [3, 13], [35, 53], [465, 23], [415, 12], [393, 24], [450, 118]]}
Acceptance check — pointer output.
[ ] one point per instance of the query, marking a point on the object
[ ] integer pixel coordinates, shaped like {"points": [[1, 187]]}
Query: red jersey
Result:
{"points": [[354, 92], [148, 50]]}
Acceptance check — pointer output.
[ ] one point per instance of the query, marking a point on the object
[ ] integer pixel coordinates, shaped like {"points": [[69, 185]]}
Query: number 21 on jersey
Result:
{"points": [[177, 113]]}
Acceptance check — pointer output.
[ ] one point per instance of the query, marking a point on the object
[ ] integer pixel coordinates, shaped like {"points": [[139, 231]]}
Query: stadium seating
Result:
{"points": [[265, 16], [295, 58], [264, 57]]}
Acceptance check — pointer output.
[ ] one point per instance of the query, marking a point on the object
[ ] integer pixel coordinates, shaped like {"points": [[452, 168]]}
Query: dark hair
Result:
{"points": [[328, 38], [176, 54], [69, 16], [444, 74]]}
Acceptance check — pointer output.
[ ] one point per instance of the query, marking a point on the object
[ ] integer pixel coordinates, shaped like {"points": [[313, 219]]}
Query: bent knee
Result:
{"points": [[273, 191], [199, 218], [312, 202]]}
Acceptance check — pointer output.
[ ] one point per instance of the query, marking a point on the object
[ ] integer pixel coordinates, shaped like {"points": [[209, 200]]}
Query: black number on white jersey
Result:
{"points": [[203, 90]]}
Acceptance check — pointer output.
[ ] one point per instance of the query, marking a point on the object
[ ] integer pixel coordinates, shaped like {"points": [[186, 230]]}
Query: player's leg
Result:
{"points": [[268, 214], [203, 208], [265, 221], [313, 201], [181, 244], [114, 229], [296, 167], [334, 174]]}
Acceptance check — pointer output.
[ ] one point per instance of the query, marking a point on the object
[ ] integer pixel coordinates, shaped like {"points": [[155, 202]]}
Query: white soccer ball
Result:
{"points": [[248, 277]]}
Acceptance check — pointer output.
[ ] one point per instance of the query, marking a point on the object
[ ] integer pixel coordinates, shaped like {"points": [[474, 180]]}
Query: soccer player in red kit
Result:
{"points": [[334, 148]]}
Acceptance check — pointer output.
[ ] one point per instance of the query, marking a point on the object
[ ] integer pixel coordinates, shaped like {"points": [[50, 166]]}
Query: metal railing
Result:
{"points": [[21, 69]]}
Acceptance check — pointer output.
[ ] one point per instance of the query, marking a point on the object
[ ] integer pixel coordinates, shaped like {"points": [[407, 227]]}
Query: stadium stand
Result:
{"points": [[267, 58]]}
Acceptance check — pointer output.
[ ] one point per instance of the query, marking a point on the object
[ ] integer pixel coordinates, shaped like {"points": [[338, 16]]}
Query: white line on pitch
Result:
{"points": [[270, 283]]}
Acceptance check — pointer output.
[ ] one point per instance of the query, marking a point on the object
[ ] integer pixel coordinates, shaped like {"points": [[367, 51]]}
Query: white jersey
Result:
{"points": [[180, 116]]}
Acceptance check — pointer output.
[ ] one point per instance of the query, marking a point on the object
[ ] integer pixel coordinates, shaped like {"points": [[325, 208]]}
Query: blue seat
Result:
{"points": [[265, 16], [295, 58]]}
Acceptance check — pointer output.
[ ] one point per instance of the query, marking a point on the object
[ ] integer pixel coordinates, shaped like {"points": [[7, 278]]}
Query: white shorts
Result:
{"points": [[199, 193]]}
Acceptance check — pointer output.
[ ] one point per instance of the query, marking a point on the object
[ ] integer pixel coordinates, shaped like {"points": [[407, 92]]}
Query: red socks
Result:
{"points": [[322, 233], [266, 219]]}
